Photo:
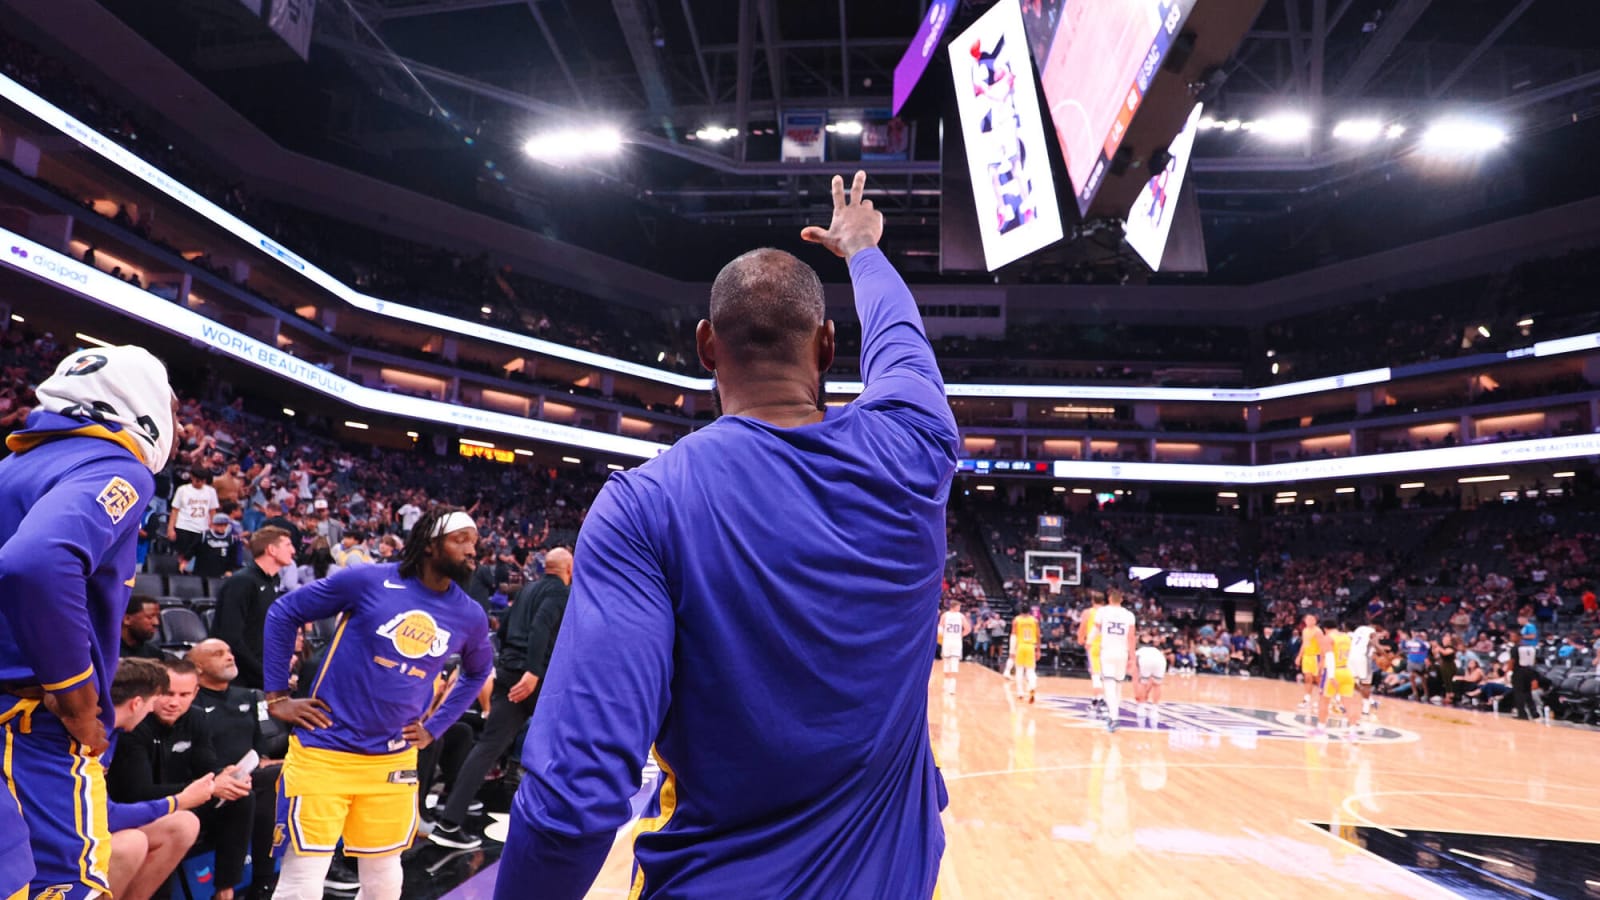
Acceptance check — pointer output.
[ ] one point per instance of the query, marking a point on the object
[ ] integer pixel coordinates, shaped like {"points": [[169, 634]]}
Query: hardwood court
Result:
{"points": [[1045, 804]]}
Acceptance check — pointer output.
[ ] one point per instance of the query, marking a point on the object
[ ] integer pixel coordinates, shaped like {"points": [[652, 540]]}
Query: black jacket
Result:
{"points": [[517, 632], [242, 603], [238, 722], [546, 625], [156, 760]]}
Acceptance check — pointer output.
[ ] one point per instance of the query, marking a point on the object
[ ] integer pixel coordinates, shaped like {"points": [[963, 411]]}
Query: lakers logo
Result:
{"points": [[86, 364], [54, 892], [415, 635], [279, 835], [117, 498]]}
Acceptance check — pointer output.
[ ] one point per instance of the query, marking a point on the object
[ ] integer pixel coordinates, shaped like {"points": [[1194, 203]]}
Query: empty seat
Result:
{"points": [[181, 628], [151, 585], [186, 586]]}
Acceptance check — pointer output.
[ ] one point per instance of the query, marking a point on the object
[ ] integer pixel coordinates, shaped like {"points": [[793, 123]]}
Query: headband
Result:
{"points": [[451, 523]]}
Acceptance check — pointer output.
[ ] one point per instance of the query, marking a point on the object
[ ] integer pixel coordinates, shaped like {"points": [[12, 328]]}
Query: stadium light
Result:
{"points": [[1484, 330], [985, 487], [1059, 489], [614, 467], [1358, 131], [288, 412], [572, 459], [1227, 495], [1275, 368], [1524, 323], [1411, 484], [412, 434], [17, 318], [521, 452], [574, 144], [1283, 128], [1480, 479], [1564, 474], [844, 129], [359, 426], [1394, 132], [91, 340], [1344, 490], [716, 134], [1462, 137], [472, 443], [1082, 491]]}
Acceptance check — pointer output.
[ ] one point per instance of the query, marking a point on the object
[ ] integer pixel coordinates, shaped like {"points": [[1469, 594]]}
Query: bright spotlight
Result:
{"points": [[1232, 125], [1394, 132], [1484, 331], [573, 144], [1358, 131], [1457, 137], [716, 133], [846, 129], [1283, 127]]}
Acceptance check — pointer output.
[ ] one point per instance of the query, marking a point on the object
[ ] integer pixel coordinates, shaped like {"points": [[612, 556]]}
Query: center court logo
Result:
{"points": [[1233, 722], [416, 634]]}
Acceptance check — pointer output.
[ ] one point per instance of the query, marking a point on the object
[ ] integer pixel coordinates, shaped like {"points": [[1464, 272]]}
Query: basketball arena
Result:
{"points": [[750, 448]]}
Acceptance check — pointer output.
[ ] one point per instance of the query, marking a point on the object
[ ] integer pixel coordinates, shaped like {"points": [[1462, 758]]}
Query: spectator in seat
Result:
{"points": [[238, 722], [140, 625], [242, 601], [193, 505], [218, 553], [352, 550], [149, 839], [169, 750]]}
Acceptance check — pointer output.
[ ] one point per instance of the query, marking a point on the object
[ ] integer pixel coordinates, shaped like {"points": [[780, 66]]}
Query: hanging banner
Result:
{"points": [[291, 19], [884, 137], [803, 136]]}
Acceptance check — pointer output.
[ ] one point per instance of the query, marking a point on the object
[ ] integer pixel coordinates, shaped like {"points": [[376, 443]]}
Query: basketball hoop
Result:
{"points": [[1053, 582]]}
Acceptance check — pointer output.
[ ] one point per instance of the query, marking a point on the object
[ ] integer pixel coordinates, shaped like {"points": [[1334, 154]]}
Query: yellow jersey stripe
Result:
{"points": [[327, 660], [21, 443], [5, 771], [669, 805], [76, 679]]}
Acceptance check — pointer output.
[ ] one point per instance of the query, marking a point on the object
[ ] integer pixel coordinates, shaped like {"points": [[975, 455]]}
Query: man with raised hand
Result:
{"points": [[704, 622]]}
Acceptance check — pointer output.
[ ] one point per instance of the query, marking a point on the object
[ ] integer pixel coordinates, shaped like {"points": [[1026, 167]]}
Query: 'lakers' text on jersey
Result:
{"points": [[394, 637]]}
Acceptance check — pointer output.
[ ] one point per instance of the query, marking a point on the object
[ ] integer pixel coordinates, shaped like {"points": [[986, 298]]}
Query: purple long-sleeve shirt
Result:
{"points": [[705, 621], [395, 636]]}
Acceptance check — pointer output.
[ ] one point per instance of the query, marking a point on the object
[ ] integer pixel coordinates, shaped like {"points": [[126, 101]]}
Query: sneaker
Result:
{"points": [[342, 877], [475, 808], [454, 836], [1111, 726]]}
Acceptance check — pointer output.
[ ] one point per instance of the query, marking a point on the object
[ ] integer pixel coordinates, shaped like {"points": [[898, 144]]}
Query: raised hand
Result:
{"points": [[856, 225]]}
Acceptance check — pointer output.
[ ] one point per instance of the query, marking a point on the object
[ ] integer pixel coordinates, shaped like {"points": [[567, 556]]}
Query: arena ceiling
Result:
{"points": [[446, 91]]}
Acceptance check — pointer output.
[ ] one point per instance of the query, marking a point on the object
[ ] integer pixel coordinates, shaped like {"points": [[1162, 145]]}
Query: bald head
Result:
{"points": [[558, 562], [766, 305], [213, 659]]}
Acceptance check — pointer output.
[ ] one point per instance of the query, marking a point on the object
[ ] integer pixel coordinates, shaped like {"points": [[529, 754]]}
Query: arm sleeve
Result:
{"points": [[542, 634], [477, 663], [897, 362], [230, 626], [45, 567], [123, 816], [594, 724], [317, 600]]}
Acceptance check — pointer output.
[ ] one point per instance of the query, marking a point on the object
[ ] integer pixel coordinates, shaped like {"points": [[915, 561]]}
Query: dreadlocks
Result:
{"points": [[420, 539]]}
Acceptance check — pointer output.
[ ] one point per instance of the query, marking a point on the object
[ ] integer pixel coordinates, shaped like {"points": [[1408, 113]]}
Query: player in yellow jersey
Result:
{"points": [[1025, 631], [1337, 679], [1310, 658], [1089, 638]]}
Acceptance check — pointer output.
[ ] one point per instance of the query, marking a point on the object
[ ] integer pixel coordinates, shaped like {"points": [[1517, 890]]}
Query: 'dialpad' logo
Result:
{"points": [[18, 252]]}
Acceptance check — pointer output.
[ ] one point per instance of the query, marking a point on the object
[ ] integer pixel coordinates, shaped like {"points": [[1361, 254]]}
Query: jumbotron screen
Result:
{"points": [[1096, 60]]}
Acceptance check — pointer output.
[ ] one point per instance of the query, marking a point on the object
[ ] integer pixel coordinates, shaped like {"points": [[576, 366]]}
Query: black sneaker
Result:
{"points": [[342, 877], [446, 835]]}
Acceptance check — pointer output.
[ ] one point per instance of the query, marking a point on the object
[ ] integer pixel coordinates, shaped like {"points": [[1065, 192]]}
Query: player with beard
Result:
{"points": [[351, 770]]}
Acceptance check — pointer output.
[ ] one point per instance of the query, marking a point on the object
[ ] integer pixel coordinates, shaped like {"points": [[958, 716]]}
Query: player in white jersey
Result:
{"points": [[1151, 663], [1361, 665], [953, 626], [1117, 637]]}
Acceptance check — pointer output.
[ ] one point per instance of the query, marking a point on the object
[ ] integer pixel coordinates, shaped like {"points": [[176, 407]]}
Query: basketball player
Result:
{"points": [[1025, 632], [790, 767], [72, 495], [953, 626], [1089, 638], [1152, 666], [1361, 665], [1117, 638], [1337, 680], [1310, 658], [351, 770]]}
